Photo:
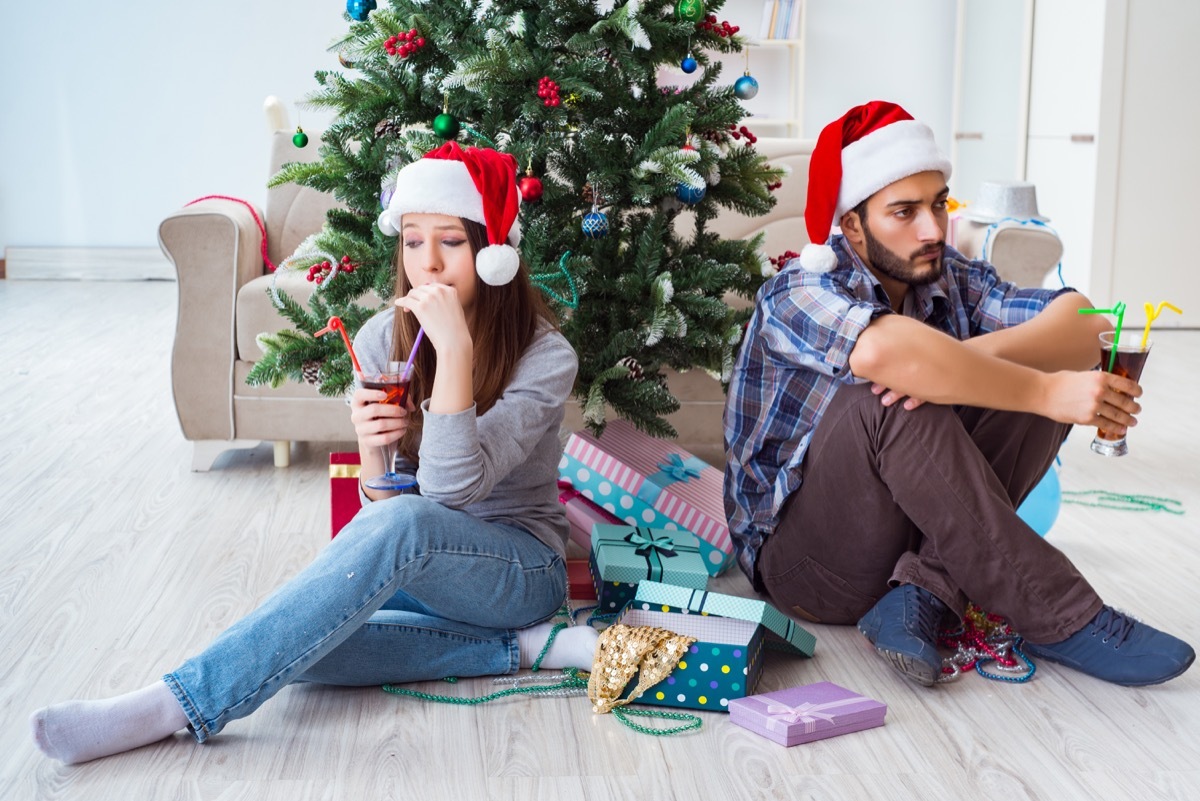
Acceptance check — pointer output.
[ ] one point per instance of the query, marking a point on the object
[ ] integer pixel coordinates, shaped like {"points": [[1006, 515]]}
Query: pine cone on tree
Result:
{"points": [[635, 370], [311, 371]]}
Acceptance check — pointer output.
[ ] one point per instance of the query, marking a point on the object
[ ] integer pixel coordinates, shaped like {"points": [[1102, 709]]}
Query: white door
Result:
{"points": [[1064, 117], [990, 94]]}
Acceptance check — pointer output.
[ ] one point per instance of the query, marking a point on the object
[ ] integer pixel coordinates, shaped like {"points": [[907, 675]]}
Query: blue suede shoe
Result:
{"points": [[1115, 647], [903, 628]]}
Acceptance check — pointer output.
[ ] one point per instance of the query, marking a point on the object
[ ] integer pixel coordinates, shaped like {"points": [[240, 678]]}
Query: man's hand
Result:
{"points": [[890, 396], [1093, 398]]}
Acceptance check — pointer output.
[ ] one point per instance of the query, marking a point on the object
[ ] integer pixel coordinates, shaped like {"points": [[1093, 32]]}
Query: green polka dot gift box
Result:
{"points": [[725, 662], [623, 556], [649, 482]]}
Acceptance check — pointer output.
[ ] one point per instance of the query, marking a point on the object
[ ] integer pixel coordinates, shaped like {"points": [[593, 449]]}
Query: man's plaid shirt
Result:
{"points": [[796, 353]]}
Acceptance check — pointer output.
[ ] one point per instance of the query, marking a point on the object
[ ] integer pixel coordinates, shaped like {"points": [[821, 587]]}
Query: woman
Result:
{"points": [[417, 586]]}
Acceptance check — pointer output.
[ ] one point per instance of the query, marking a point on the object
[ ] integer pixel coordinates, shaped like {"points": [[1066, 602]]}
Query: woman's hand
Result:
{"points": [[377, 424], [440, 314], [445, 324]]}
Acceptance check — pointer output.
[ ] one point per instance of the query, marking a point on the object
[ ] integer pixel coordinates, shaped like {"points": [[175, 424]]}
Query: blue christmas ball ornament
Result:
{"points": [[1040, 508], [595, 224], [745, 87], [359, 9], [688, 65], [689, 195]]}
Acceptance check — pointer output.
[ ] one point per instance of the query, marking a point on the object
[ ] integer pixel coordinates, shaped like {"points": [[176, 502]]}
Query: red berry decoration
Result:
{"points": [[404, 44], [548, 92], [722, 29], [322, 270], [788, 255], [531, 188]]}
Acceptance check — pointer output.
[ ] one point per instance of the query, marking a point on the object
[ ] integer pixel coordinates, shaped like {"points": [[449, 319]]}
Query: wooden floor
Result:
{"points": [[116, 562]]}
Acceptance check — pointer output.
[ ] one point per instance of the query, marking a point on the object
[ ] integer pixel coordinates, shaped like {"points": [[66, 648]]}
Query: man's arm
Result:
{"points": [[1058, 338], [914, 359]]}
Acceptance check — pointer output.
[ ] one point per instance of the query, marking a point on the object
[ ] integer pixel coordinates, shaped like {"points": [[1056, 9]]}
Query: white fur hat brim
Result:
{"points": [[884, 156], [436, 186]]}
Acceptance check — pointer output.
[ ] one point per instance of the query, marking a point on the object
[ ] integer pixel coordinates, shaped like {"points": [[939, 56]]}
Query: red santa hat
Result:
{"points": [[870, 147], [476, 184]]}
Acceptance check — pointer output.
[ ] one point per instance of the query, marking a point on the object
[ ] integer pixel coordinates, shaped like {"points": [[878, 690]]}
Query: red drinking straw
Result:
{"points": [[335, 324]]}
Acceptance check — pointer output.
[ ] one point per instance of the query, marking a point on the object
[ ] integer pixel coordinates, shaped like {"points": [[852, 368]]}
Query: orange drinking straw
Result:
{"points": [[1152, 315], [335, 324], [1119, 311]]}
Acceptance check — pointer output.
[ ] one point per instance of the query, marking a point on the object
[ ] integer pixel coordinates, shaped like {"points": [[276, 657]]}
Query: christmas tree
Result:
{"points": [[570, 88]]}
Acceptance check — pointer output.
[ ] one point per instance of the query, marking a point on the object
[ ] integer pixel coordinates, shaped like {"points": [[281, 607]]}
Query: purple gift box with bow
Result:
{"points": [[652, 483], [806, 713]]}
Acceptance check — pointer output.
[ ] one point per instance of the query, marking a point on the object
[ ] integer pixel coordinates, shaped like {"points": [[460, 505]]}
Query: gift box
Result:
{"points": [[725, 662], [344, 502], [582, 514], [622, 556], [650, 482], [579, 581], [810, 712]]}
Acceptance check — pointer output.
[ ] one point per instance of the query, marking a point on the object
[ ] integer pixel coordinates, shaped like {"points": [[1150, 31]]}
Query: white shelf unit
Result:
{"points": [[777, 65], [793, 118]]}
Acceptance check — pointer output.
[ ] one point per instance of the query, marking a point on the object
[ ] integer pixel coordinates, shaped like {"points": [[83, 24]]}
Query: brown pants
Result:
{"points": [[924, 497]]}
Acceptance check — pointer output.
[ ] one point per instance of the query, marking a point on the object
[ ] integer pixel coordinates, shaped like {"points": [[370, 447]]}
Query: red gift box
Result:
{"points": [[579, 581], [344, 502]]}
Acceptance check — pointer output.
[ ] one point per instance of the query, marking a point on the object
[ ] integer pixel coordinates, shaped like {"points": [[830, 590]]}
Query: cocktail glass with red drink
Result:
{"points": [[394, 381]]}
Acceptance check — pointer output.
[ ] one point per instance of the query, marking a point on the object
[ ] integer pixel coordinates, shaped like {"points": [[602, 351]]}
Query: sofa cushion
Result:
{"points": [[293, 212]]}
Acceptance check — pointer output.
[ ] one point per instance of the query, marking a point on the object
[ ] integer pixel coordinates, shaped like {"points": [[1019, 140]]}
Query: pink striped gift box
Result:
{"points": [[646, 481]]}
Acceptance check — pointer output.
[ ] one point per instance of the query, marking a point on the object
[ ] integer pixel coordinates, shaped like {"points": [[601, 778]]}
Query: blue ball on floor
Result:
{"points": [[1040, 508]]}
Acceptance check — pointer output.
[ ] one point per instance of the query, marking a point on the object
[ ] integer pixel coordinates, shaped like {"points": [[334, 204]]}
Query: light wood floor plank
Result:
{"points": [[117, 562]]}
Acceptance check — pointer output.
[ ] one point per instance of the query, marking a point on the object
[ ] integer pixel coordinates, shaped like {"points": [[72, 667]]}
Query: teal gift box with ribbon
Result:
{"points": [[726, 661], [650, 482], [623, 556]]}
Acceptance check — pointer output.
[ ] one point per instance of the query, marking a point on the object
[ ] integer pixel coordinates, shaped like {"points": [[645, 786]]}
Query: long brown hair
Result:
{"points": [[503, 322]]}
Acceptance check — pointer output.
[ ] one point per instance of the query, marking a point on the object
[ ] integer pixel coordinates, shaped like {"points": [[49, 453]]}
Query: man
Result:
{"points": [[892, 405]]}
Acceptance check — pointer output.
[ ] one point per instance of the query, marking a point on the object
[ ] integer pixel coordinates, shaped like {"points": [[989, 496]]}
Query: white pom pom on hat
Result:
{"points": [[868, 148], [476, 184]]}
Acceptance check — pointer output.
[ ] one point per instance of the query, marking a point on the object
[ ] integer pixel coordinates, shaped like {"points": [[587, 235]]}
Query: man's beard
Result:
{"points": [[906, 271]]}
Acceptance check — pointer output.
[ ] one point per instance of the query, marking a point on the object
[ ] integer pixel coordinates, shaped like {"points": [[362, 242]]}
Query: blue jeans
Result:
{"points": [[408, 591]]}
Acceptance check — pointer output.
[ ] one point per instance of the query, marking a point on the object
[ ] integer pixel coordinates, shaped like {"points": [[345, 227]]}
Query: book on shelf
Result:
{"points": [[770, 9], [793, 20]]}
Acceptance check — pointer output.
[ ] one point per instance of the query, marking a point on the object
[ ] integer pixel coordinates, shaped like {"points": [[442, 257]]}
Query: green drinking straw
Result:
{"points": [[1119, 311]]}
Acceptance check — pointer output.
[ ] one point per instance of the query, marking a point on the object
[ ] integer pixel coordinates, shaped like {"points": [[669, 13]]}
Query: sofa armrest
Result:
{"points": [[216, 247]]}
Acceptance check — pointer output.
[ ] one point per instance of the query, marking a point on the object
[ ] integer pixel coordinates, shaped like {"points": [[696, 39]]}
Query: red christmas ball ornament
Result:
{"points": [[531, 188]]}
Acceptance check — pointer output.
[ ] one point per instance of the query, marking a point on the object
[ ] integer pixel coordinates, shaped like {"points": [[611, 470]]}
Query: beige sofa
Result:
{"points": [[224, 305]]}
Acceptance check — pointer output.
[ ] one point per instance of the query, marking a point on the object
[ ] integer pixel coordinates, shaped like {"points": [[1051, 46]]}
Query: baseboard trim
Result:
{"points": [[87, 264]]}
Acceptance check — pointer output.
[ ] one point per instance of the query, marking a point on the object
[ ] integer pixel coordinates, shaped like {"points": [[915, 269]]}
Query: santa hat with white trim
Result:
{"points": [[871, 146], [474, 183]]}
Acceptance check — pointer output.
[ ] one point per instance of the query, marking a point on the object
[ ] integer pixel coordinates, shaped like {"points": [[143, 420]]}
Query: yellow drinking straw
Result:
{"points": [[1152, 315]]}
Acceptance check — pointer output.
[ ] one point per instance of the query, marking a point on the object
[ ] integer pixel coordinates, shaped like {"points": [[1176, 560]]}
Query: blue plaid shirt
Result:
{"points": [[796, 353]]}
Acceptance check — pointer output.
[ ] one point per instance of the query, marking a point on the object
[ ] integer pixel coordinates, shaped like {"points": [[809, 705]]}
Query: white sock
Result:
{"points": [[76, 731], [574, 646]]}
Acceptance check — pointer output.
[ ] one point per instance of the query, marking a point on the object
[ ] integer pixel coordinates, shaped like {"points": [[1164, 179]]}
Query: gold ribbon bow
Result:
{"points": [[623, 651]]}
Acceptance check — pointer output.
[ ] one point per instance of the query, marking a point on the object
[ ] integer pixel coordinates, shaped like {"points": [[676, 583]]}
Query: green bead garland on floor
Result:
{"points": [[573, 679], [1103, 499]]}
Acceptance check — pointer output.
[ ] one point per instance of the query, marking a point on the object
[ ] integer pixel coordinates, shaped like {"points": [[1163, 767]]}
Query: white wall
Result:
{"points": [[160, 103], [898, 50], [116, 114]]}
